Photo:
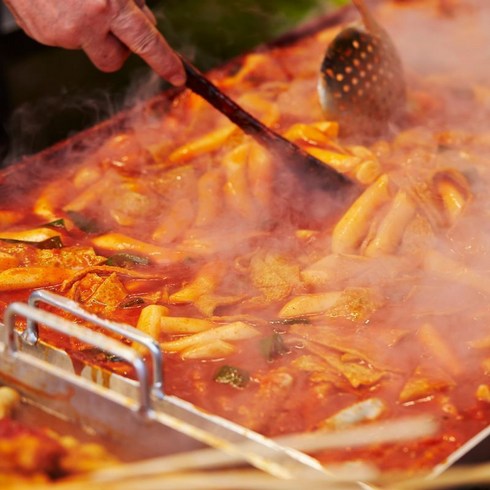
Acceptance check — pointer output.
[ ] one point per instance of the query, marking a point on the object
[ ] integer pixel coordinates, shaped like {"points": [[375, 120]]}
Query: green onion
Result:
{"points": [[132, 302], [125, 260], [229, 375], [84, 223], [273, 347], [291, 321], [57, 223]]}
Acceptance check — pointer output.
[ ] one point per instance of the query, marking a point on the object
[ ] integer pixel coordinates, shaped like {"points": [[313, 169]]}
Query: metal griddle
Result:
{"points": [[117, 408], [135, 416]]}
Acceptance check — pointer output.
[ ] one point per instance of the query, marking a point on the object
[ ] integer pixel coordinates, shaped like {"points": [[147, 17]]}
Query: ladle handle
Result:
{"points": [[283, 148]]}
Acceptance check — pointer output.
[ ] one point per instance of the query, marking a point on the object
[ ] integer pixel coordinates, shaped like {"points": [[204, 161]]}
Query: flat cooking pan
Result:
{"points": [[41, 170]]}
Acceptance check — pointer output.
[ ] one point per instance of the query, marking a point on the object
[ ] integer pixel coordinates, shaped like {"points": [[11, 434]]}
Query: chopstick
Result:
{"points": [[478, 474], [202, 480], [257, 480], [376, 433], [302, 163], [184, 471]]}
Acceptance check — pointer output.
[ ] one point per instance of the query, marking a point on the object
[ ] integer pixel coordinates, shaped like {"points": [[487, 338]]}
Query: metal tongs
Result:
{"points": [[139, 410]]}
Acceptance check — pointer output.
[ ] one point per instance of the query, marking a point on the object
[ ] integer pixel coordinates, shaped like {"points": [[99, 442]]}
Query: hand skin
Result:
{"points": [[107, 30]]}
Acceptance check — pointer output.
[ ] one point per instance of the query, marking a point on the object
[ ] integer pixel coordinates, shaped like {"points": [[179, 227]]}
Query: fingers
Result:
{"points": [[107, 54], [105, 29], [134, 28]]}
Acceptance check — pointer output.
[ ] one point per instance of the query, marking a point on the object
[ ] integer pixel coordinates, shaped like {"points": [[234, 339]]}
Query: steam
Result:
{"points": [[224, 31], [454, 45], [434, 50], [30, 122]]}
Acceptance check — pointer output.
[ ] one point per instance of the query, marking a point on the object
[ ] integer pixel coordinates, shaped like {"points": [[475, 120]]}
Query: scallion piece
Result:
{"points": [[85, 223], [273, 347], [132, 302], [57, 223], [125, 260], [291, 321], [230, 375]]}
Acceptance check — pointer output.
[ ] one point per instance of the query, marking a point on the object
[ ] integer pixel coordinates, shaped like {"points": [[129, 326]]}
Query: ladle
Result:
{"points": [[361, 84]]}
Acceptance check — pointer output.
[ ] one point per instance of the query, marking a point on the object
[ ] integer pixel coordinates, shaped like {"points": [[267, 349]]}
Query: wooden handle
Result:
{"points": [[302, 161]]}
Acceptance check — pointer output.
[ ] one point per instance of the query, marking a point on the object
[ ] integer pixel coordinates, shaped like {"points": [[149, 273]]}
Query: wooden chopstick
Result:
{"points": [[477, 474], [185, 471], [216, 480], [257, 480], [376, 433]]}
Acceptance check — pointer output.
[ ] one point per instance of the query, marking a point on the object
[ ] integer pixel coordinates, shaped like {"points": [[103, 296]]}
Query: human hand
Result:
{"points": [[107, 30]]}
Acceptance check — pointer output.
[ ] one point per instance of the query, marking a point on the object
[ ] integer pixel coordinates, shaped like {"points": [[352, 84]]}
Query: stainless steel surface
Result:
{"points": [[132, 426], [134, 410], [476, 450]]}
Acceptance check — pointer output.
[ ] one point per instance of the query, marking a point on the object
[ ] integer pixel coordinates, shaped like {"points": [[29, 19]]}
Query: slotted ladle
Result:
{"points": [[361, 84]]}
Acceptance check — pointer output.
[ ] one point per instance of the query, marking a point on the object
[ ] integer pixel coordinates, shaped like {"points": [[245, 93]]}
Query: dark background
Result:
{"points": [[47, 94]]}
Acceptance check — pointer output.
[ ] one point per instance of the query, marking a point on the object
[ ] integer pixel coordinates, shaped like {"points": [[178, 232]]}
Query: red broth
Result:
{"points": [[277, 304]]}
